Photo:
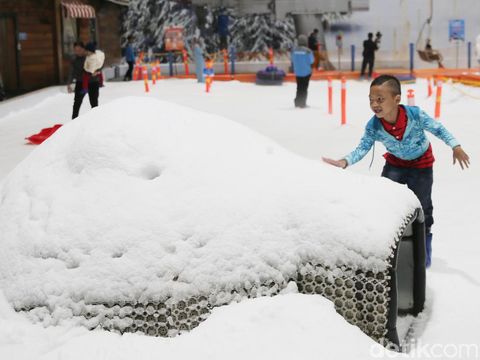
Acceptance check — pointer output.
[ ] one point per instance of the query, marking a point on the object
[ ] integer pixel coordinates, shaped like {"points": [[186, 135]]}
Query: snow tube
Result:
{"points": [[43, 135], [270, 76]]}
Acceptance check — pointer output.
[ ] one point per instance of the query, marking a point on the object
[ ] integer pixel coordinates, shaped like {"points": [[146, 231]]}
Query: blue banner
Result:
{"points": [[456, 29]]}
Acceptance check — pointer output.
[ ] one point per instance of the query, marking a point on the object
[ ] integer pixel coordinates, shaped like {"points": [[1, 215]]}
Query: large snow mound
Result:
{"points": [[143, 199]]}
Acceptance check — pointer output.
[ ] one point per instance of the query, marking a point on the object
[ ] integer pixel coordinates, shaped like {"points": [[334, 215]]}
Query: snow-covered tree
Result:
{"points": [[257, 33], [146, 21]]}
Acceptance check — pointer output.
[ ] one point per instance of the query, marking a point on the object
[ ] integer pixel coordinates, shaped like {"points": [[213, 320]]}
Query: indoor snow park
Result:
{"points": [[239, 179]]}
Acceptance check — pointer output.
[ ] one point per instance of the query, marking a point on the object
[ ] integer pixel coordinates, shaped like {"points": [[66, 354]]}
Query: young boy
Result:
{"points": [[409, 159]]}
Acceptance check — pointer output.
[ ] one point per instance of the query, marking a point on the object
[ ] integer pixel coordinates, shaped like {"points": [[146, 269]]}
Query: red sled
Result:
{"points": [[43, 135]]}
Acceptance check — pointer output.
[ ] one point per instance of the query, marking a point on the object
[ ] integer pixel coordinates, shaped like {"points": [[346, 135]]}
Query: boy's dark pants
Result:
{"points": [[93, 91], [420, 181], [302, 91]]}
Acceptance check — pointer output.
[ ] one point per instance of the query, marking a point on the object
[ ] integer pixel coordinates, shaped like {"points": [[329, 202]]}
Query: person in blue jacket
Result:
{"points": [[199, 59], [302, 60], [130, 58], [409, 157]]}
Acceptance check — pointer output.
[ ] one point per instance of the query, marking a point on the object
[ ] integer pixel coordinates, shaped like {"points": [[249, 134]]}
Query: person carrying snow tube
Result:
{"points": [[409, 157], [92, 78]]}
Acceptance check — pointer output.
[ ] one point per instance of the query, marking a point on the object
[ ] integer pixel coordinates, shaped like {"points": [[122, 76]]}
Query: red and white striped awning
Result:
{"points": [[76, 9]]}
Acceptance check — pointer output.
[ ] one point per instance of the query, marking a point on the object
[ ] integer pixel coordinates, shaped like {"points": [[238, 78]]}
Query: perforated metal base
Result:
{"points": [[361, 297]]}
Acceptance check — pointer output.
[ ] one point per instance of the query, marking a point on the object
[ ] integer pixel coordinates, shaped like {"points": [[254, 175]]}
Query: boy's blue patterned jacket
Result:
{"points": [[414, 142]]}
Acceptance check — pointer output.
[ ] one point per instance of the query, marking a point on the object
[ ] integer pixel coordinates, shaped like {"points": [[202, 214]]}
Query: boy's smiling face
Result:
{"points": [[384, 103]]}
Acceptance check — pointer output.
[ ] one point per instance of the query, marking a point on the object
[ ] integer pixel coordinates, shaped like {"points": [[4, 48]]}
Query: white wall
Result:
{"points": [[400, 22]]}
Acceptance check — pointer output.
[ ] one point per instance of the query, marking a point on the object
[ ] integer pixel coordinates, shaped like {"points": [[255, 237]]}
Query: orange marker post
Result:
{"points": [[159, 70], [154, 73], [438, 99], [411, 97], [185, 61], [319, 49], [225, 61], [270, 55], [136, 71], [208, 83], [145, 78], [344, 100], [330, 95], [430, 91]]}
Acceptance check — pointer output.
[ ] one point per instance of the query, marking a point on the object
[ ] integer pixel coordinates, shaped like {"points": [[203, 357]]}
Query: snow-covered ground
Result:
{"points": [[287, 326]]}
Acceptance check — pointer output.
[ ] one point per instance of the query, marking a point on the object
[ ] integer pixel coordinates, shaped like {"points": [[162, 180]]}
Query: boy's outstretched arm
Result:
{"points": [[342, 163], [366, 143], [437, 129], [460, 156]]}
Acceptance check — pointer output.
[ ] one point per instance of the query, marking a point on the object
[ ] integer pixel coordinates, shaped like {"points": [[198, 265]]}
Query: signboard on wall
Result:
{"points": [[174, 39], [456, 29]]}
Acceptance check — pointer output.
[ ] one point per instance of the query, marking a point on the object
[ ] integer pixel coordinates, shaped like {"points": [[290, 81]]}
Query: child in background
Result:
{"points": [[409, 159]]}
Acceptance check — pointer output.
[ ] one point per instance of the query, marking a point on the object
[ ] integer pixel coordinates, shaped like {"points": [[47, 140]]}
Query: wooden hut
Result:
{"points": [[37, 36]]}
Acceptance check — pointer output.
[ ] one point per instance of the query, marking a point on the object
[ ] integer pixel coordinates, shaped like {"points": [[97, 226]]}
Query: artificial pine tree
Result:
{"points": [[257, 33], [251, 35]]}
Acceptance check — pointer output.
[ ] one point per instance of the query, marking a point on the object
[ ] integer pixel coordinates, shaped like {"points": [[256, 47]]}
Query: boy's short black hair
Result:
{"points": [[79, 43], [392, 82]]}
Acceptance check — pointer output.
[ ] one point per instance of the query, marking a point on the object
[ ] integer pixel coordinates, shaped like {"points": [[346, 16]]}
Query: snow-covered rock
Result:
{"points": [[142, 198]]}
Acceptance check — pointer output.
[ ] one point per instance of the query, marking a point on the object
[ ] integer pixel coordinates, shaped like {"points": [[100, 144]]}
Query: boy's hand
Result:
{"points": [[461, 156], [342, 163]]}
